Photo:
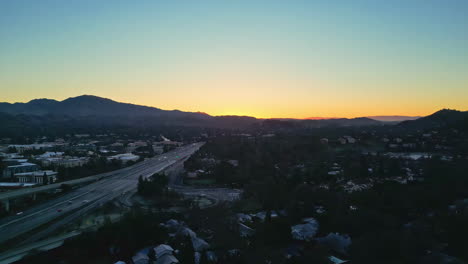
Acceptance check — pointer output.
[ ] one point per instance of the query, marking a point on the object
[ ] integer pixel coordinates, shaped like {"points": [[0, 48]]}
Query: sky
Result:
{"points": [[265, 58]]}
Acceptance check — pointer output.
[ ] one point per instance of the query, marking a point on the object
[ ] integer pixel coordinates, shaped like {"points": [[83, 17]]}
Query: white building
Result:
{"points": [[36, 176], [22, 167], [126, 157], [22, 148], [49, 154], [342, 140], [67, 162], [350, 139]]}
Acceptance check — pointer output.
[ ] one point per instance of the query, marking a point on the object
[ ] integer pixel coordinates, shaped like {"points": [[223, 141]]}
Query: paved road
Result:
{"points": [[82, 200], [30, 191], [175, 174], [217, 194]]}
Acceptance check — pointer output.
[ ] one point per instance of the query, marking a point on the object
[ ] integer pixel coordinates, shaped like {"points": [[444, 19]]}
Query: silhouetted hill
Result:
{"points": [[88, 109], [319, 123], [445, 118], [93, 111], [85, 105]]}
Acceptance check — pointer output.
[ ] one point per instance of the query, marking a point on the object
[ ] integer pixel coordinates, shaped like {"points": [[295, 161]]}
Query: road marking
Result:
{"points": [[40, 211], [111, 179]]}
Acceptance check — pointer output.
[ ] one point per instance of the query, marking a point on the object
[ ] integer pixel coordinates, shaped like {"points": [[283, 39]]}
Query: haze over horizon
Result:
{"points": [[267, 59]]}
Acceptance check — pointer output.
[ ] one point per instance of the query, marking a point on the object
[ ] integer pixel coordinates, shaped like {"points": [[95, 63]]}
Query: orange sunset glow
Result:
{"points": [[266, 61]]}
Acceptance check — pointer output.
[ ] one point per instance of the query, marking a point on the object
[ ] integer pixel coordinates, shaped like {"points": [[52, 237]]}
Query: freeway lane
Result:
{"points": [[70, 196], [87, 198]]}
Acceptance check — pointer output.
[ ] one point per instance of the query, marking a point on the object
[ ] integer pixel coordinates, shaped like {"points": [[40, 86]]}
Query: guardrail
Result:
{"points": [[29, 191]]}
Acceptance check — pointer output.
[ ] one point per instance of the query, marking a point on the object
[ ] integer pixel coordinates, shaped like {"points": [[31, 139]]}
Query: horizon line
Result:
{"points": [[316, 117]]}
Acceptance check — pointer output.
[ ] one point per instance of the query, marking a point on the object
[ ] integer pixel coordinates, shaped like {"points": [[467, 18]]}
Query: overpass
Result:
{"points": [[5, 197], [66, 208]]}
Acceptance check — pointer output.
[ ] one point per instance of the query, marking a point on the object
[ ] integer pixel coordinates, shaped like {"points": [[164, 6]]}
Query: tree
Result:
{"points": [[186, 254], [62, 173], [203, 258], [160, 182], [2, 165], [12, 150], [141, 182], [224, 172], [155, 186], [45, 179], [151, 255], [167, 148]]}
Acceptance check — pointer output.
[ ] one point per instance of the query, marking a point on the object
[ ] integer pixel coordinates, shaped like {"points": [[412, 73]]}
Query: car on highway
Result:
{"points": [[59, 210], [85, 201], [19, 213]]}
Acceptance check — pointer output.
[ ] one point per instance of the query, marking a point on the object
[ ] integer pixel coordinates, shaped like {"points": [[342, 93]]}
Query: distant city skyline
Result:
{"points": [[267, 59]]}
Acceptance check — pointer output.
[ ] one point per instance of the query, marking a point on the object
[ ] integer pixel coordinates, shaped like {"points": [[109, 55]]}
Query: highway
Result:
{"points": [[82, 200]]}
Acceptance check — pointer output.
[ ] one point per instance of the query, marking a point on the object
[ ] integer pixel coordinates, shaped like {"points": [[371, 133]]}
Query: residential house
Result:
{"points": [[162, 250], [305, 231], [167, 259]]}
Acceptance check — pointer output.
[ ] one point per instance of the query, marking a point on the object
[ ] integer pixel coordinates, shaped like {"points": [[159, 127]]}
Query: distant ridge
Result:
{"points": [[391, 118], [395, 118], [93, 111], [87, 106], [319, 118]]}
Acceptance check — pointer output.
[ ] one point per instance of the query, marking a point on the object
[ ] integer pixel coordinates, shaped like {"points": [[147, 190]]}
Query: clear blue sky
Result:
{"points": [[260, 58]]}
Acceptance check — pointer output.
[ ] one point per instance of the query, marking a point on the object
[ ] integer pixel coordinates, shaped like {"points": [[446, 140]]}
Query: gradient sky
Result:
{"points": [[260, 58]]}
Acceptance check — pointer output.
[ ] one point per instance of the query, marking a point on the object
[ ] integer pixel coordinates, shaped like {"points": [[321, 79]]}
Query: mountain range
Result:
{"points": [[91, 110], [92, 106], [88, 107]]}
